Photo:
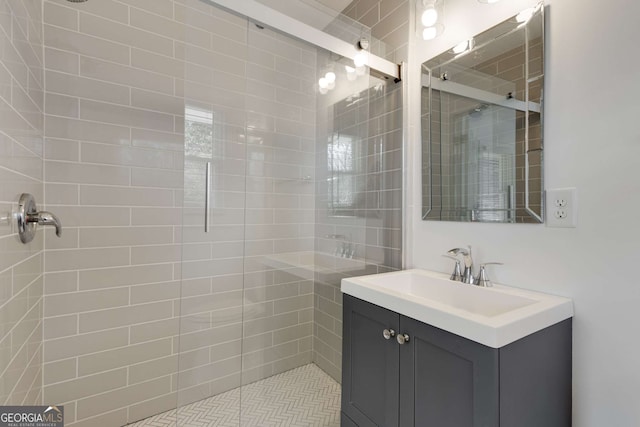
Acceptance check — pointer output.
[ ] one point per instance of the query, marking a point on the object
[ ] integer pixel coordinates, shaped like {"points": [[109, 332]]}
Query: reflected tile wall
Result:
{"points": [[371, 225], [21, 142], [389, 23]]}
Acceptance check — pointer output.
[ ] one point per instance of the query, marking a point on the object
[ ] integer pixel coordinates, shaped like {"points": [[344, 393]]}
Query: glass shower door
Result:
{"points": [[292, 180], [210, 341]]}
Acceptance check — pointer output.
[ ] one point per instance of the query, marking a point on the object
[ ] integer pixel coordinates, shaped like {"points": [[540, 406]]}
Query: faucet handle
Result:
{"points": [[457, 274], [482, 280]]}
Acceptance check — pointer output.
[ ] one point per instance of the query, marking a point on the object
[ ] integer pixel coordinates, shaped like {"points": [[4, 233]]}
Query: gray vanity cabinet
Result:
{"points": [[370, 371], [439, 379]]}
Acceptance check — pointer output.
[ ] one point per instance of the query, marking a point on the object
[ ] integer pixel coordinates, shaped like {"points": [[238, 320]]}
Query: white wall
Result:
{"points": [[592, 142]]}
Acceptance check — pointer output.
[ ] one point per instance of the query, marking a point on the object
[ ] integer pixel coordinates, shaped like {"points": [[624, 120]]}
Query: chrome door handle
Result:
{"points": [[402, 338], [207, 197], [388, 334], [29, 218]]}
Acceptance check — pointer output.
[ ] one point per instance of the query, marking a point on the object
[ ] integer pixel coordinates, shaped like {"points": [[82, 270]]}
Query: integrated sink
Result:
{"points": [[494, 316]]}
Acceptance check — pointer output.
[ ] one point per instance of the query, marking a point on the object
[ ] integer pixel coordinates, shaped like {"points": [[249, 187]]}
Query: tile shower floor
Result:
{"points": [[304, 396]]}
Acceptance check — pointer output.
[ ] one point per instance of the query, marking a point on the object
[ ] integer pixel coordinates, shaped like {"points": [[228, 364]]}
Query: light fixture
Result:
{"points": [[360, 60], [488, 1], [328, 81], [330, 77], [351, 73], [429, 33], [430, 13], [463, 46], [362, 57], [429, 16]]}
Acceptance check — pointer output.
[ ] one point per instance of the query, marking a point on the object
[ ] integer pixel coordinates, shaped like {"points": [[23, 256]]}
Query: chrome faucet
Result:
{"points": [[467, 275], [345, 248]]}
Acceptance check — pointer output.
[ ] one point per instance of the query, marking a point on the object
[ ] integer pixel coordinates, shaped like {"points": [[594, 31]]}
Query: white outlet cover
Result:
{"points": [[562, 208]]}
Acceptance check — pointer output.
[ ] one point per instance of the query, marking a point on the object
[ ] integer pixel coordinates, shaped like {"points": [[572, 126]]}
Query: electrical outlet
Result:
{"points": [[560, 202], [560, 213], [562, 208]]}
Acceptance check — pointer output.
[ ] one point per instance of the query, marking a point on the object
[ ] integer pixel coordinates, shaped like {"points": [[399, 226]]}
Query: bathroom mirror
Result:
{"points": [[481, 119]]}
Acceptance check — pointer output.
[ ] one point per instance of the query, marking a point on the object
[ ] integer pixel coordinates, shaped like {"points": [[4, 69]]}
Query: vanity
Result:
{"points": [[422, 350]]}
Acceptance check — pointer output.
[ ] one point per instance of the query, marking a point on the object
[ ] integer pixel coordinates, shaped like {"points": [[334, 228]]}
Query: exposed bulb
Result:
{"points": [[330, 77], [429, 33], [429, 16], [462, 47], [323, 83], [360, 60], [351, 73]]}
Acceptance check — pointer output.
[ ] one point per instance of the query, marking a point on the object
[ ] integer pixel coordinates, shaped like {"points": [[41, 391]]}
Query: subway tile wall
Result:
{"points": [[367, 128], [21, 146], [119, 74], [370, 123], [247, 313], [389, 23], [113, 172]]}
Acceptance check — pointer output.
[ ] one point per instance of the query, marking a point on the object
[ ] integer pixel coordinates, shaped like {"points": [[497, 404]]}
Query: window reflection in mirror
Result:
{"points": [[482, 127]]}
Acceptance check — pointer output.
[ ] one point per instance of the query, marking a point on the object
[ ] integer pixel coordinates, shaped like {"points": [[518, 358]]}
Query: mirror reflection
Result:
{"points": [[482, 126]]}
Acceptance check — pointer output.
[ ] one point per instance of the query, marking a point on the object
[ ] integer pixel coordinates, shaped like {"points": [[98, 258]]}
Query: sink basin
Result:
{"points": [[494, 316], [305, 264]]}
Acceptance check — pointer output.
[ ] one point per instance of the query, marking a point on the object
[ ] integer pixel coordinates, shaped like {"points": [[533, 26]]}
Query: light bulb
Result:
{"points": [[429, 33], [360, 60], [323, 83], [351, 73], [461, 47], [525, 15], [330, 76], [429, 17]]}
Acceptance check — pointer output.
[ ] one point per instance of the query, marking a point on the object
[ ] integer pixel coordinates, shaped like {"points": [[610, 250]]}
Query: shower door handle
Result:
{"points": [[207, 197]]}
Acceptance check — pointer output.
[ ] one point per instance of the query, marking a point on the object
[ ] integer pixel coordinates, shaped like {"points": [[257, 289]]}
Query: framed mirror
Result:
{"points": [[481, 117]]}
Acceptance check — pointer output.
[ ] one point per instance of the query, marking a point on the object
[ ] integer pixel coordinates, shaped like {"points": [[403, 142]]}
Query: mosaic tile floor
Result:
{"points": [[302, 397]]}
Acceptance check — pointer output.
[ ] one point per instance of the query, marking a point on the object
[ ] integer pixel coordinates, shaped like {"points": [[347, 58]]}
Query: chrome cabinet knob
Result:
{"points": [[402, 338], [388, 334]]}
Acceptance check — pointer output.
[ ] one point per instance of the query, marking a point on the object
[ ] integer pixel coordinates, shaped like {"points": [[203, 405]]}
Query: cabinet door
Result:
{"points": [[370, 364], [446, 380]]}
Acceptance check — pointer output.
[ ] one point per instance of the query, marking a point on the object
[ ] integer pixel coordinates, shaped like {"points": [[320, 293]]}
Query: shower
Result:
{"points": [[162, 117]]}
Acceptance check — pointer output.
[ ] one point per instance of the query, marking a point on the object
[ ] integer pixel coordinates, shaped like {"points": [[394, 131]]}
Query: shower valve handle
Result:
{"points": [[28, 218]]}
